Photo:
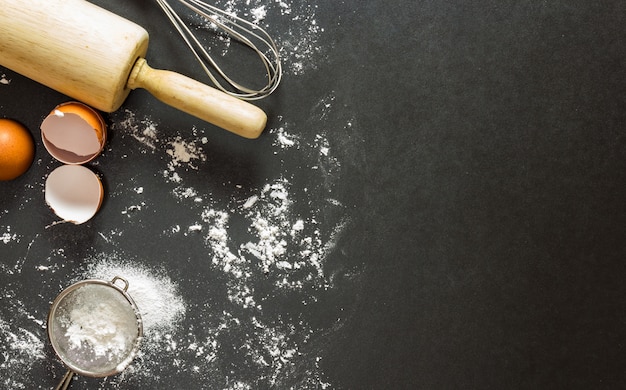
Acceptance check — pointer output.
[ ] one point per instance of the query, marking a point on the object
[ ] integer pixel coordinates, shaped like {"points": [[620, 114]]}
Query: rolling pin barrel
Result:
{"points": [[90, 54], [73, 47]]}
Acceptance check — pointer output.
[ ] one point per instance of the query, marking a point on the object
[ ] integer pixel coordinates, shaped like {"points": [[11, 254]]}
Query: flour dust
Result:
{"points": [[263, 247], [299, 45], [22, 338]]}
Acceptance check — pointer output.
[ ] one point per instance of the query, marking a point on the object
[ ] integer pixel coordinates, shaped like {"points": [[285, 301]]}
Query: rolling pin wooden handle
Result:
{"points": [[199, 100]]}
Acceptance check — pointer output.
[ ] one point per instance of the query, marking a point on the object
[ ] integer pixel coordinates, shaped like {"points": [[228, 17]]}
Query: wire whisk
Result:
{"points": [[241, 30]]}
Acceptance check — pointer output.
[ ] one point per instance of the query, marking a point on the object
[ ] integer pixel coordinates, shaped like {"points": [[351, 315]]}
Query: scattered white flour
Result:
{"points": [[184, 152], [144, 130], [4, 80], [260, 247], [258, 14], [130, 209], [7, 236], [22, 338], [278, 234], [299, 47], [284, 139], [186, 192], [280, 254]]}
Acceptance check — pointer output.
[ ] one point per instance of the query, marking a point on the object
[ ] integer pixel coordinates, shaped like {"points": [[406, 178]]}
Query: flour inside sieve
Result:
{"points": [[95, 328]]}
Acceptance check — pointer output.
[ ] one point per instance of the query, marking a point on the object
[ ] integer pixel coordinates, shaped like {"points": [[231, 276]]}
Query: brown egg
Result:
{"points": [[17, 149]]}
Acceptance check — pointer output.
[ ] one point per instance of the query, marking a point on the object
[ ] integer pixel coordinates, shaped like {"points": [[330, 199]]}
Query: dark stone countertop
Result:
{"points": [[437, 202]]}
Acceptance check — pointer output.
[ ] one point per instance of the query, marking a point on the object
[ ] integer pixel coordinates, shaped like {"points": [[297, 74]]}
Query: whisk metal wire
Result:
{"points": [[239, 29]]}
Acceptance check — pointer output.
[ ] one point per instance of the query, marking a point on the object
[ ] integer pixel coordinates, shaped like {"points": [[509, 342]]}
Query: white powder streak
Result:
{"points": [[277, 235], [156, 296], [183, 152], [258, 14], [22, 347], [7, 236]]}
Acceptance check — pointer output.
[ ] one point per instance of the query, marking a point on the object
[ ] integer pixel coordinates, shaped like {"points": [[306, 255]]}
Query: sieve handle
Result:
{"points": [[116, 278], [65, 382]]}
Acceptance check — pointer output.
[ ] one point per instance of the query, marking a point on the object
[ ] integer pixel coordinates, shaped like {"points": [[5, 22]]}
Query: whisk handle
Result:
{"points": [[199, 100]]}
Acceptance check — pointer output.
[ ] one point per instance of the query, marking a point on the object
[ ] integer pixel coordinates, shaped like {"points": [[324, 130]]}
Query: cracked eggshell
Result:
{"points": [[74, 193], [73, 133]]}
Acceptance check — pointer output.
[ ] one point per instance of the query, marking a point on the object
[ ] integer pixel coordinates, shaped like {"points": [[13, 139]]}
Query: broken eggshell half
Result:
{"points": [[74, 193], [73, 133]]}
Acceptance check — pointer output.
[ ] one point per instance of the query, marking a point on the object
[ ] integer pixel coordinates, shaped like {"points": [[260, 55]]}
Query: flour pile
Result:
{"points": [[96, 326]]}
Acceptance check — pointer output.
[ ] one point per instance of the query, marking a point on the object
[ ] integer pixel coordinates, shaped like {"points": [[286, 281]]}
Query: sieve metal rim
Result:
{"points": [[124, 291]]}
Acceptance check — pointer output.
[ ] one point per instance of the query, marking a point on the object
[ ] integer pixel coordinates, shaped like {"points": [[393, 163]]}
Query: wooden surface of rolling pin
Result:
{"points": [[89, 54]]}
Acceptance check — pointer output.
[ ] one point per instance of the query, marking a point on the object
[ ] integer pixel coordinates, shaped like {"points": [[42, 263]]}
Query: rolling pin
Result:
{"points": [[98, 57]]}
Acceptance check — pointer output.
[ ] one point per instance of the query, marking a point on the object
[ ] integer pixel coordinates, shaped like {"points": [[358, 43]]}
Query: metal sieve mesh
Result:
{"points": [[95, 327]]}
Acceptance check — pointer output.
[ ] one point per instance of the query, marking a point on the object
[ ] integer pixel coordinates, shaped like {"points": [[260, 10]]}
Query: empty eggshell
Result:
{"points": [[73, 133], [74, 193]]}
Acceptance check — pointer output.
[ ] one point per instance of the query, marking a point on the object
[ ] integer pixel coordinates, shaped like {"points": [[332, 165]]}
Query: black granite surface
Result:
{"points": [[460, 166]]}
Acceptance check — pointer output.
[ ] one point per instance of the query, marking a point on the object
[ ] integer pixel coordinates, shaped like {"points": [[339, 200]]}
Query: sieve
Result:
{"points": [[95, 328]]}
